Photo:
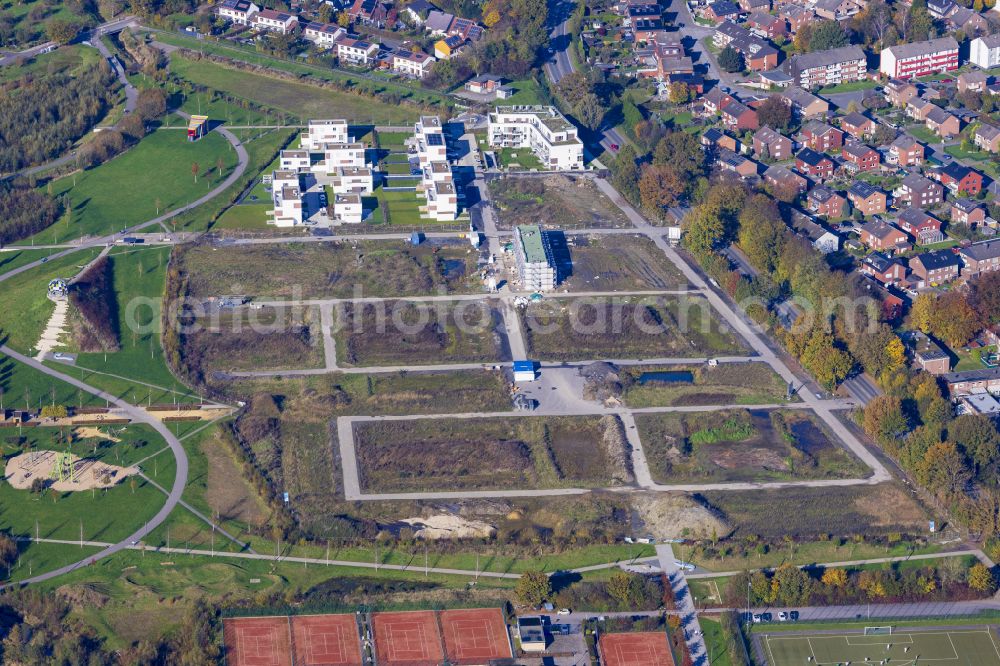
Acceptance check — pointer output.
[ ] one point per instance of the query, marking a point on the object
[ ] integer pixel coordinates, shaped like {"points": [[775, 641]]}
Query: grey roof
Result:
{"points": [[821, 193], [915, 181], [439, 21], [923, 48], [825, 58], [904, 141], [991, 41], [858, 150], [811, 157], [974, 77], [879, 228], [879, 261], [860, 188], [982, 251], [817, 128], [965, 205], [855, 118], [938, 115], [914, 216], [768, 135], [988, 132], [972, 375], [937, 259], [777, 76], [724, 8], [801, 97]]}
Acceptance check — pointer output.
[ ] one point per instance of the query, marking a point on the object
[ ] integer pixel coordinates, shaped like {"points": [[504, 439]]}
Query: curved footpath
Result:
{"points": [[136, 414]]}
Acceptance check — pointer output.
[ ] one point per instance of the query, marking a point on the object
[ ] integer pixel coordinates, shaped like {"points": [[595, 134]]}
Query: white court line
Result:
{"points": [[892, 639]]}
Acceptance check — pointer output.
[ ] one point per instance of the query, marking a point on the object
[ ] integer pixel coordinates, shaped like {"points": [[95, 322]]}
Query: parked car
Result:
{"points": [[782, 616], [757, 618], [793, 616], [563, 611]]}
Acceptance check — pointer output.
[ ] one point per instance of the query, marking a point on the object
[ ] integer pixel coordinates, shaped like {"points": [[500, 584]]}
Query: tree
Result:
{"points": [[61, 30], [922, 311], [954, 320], [875, 22], [533, 588], [827, 35], [883, 135], [590, 111], [884, 418], [981, 579], [54, 412], [679, 93], [762, 234], [660, 187], [151, 103], [706, 229], [626, 588], [978, 437], [194, 170], [681, 151], [774, 113], [792, 585], [731, 60], [836, 578], [943, 469], [985, 296], [625, 173]]}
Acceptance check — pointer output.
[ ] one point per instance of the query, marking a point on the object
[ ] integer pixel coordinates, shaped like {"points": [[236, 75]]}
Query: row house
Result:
{"points": [[906, 151], [942, 123], [827, 68], [899, 93], [987, 137], [766, 26], [934, 268], [918, 108], [721, 10], [880, 235], [414, 64], [972, 81], [738, 116], [959, 178], [972, 381], [755, 6], [286, 199], [237, 11], [906, 61], [859, 157], [269, 20], [359, 180], [770, 144], [886, 270], [796, 16], [980, 258], [919, 191], [323, 35], [824, 201], [867, 198], [814, 164], [805, 104], [857, 125], [984, 52], [820, 136], [784, 178], [924, 228], [967, 211], [713, 138]]}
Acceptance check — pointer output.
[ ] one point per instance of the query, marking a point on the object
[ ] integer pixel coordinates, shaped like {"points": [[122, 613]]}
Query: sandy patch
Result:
{"points": [[446, 526], [54, 330], [22, 471], [675, 516], [207, 414], [90, 432]]}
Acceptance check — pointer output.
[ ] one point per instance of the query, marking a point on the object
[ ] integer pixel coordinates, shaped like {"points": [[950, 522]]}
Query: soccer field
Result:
{"points": [[934, 647]]}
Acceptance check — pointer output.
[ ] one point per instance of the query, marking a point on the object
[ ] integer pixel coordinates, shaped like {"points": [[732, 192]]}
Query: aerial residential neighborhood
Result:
{"points": [[511, 332]]}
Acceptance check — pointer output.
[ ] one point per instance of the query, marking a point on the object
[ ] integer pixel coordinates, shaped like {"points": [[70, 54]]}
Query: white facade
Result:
{"points": [[341, 155], [906, 61], [286, 196], [418, 65], [324, 35], [534, 260], [272, 21], [544, 130], [442, 201], [347, 209], [321, 132], [353, 180], [355, 51], [431, 145], [238, 11], [984, 52], [294, 160]]}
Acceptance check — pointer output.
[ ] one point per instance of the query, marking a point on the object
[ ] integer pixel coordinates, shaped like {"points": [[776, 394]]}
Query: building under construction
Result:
{"points": [[535, 264]]}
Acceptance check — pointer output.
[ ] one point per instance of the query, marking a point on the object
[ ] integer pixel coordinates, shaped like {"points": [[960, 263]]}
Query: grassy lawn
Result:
{"points": [[66, 58], [23, 325], [125, 190], [12, 258], [403, 208], [526, 92], [732, 383], [31, 29], [715, 642], [22, 387], [957, 152], [300, 100], [922, 134], [251, 217], [940, 246], [849, 86], [518, 158], [969, 360], [678, 119]]}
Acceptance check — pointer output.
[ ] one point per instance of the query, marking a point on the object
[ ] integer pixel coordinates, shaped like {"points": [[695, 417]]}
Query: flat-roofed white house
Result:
{"points": [[294, 160], [323, 35], [355, 51], [321, 132], [442, 201], [347, 208], [431, 144], [352, 180], [544, 130], [415, 64], [286, 196], [435, 172], [237, 11], [341, 155], [272, 21]]}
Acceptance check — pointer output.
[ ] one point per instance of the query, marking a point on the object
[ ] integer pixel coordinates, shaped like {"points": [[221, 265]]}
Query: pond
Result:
{"points": [[667, 376]]}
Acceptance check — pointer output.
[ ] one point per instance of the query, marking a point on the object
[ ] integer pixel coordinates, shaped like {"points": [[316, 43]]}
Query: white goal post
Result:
{"points": [[878, 631]]}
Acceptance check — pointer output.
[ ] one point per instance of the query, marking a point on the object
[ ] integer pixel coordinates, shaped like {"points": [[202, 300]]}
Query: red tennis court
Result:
{"points": [[407, 639], [475, 636], [647, 648], [257, 641], [326, 640]]}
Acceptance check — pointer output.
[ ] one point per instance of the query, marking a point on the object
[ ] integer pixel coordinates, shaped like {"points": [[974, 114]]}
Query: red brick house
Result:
{"points": [[884, 269], [959, 178], [857, 125], [821, 137], [781, 177], [714, 100], [867, 198], [814, 164], [864, 158], [739, 117], [774, 145], [766, 25], [906, 151], [824, 201], [919, 191], [936, 267], [879, 235], [966, 211], [921, 225], [717, 12]]}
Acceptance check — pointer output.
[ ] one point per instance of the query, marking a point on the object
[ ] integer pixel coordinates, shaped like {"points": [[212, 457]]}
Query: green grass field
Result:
{"points": [[297, 99], [125, 190], [966, 647]]}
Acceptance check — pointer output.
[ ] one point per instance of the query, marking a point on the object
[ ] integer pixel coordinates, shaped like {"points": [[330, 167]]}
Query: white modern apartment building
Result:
{"points": [[355, 51], [534, 259], [294, 160], [352, 180], [340, 155], [272, 21], [544, 130], [906, 61], [984, 52], [430, 143], [442, 200], [286, 195], [321, 132], [347, 208], [323, 35], [415, 64]]}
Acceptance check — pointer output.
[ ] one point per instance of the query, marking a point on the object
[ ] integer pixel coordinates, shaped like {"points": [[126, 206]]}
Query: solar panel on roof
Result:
{"points": [[435, 140]]}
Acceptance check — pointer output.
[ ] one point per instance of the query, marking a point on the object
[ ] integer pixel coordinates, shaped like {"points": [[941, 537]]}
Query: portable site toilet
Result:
{"points": [[524, 371]]}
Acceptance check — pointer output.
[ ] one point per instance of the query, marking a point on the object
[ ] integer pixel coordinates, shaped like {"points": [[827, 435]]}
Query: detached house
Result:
{"points": [[821, 137], [237, 11], [934, 268], [974, 81], [984, 52], [987, 137], [928, 354], [906, 151], [714, 100], [355, 51], [879, 235], [959, 178], [816, 165], [272, 21], [797, 16], [886, 270], [824, 201], [866, 198], [860, 157], [770, 144], [857, 125], [919, 191], [323, 35], [924, 228], [966, 211], [719, 11], [766, 25], [942, 123], [782, 177], [805, 104], [837, 10], [899, 93]]}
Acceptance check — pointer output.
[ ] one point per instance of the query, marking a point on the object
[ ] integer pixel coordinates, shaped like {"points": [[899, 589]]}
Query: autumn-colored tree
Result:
{"points": [[679, 93], [774, 113], [194, 170], [977, 436], [922, 311], [943, 469], [835, 578], [660, 187], [828, 363], [884, 418], [981, 579], [985, 296], [533, 588], [762, 233], [955, 320]]}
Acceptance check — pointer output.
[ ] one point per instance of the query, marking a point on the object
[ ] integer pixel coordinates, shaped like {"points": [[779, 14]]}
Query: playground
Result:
{"points": [[906, 647], [63, 472]]}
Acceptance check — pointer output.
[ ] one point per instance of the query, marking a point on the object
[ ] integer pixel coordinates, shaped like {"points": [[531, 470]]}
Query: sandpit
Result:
{"points": [[90, 432], [206, 414], [22, 471], [446, 526]]}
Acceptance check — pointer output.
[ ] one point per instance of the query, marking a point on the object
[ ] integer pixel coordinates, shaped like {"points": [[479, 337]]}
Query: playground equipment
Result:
{"points": [[64, 469], [58, 288]]}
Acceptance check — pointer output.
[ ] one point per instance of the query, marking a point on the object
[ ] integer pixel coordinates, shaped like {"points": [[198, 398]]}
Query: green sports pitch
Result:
{"points": [[934, 647]]}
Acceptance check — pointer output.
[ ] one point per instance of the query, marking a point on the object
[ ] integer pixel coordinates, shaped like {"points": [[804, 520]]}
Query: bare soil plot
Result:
{"points": [[227, 492], [619, 263], [23, 470], [255, 339], [625, 327], [727, 383], [485, 453], [554, 200], [391, 333], [328, 270], [742, 445]]}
